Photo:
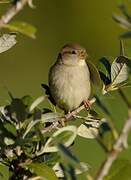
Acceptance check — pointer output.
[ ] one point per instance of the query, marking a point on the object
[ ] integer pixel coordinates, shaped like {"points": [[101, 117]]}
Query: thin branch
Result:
{"points": [[12, 11], [66, 118], [119, 145]]}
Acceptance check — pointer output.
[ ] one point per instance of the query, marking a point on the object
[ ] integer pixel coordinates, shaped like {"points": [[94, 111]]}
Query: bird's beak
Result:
{"points": [[83, 55]]}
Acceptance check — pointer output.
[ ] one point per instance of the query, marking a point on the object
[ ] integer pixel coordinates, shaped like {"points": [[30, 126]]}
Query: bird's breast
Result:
{"points": [[69, 85]]}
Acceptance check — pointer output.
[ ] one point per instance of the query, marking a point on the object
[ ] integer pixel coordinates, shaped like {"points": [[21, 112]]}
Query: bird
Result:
{"points": [[69, 78]]}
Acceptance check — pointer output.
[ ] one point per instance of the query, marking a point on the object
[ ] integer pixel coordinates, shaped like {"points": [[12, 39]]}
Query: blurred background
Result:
{"points": [[26, 65]]}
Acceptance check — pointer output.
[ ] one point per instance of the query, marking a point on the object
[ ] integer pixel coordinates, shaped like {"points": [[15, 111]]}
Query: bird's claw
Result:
{"points": [[87, 104]]}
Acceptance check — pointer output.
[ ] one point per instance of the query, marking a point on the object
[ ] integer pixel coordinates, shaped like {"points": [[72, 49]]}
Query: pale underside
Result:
{"points": [[69, 85]]}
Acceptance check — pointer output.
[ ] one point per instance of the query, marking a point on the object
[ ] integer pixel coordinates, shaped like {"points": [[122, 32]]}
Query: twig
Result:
{"points": [[12, 11], [66, 118], [119, 145]]}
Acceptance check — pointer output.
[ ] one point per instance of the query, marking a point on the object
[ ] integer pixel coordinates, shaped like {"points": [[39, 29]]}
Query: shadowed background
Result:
{"points": [[25, 66]]}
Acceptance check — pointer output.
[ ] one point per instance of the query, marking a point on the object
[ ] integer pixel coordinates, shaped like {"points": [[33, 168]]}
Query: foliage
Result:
{"points": [[36, 141]]}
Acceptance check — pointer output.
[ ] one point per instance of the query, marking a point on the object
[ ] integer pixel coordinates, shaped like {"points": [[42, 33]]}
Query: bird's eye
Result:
{"points": [[73, 52]]}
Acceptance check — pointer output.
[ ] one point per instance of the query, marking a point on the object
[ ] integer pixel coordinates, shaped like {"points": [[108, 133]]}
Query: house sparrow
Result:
{"points": [[69, 78]]}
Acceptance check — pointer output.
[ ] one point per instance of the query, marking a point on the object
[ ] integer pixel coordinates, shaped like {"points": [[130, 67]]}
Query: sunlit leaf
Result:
{"points": [[89, 129], [42, 170], [37, 102], [65, 135], [22, 27], [7, 41], [8, 141], [47, 117], [119, 71], [31, 5], [60, 174]]}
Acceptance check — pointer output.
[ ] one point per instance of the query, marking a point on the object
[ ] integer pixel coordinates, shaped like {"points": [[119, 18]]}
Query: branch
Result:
{"points": [[12, 11], [119, 145], [66, 118]]}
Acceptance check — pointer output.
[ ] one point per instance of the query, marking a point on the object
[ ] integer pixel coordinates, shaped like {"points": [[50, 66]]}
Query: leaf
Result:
{"points": [[7, 41], [65, 135], [37, 102], [105, 70], [27, 100], [4, 172], [59, 173], [18, 110], [89, 129], [126, 35], [42, 170], [119, 70], [121, 169], [47, 117], [22, 27], [10, 128], [31, 5], [94, 74], [122, 21]]}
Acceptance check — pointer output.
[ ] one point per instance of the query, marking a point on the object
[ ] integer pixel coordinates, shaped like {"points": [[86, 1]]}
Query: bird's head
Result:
{"points": [[72, 55]]}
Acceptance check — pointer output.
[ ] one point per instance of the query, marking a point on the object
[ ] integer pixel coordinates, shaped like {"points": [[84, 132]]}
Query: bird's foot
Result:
{"points": [[87, 104]]}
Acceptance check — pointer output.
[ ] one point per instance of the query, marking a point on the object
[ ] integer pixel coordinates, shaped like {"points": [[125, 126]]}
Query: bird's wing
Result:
{"points": [[47, 92], [94, 74]]}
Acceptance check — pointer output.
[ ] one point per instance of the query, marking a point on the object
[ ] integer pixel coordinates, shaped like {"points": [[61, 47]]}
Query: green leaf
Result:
{"points": [[37, 102], [4, 172], [18, 110], [10, 128], [126, 35], [47, 117], [27, 100], [42, 170], [121, 169], [89, 129], [122, 21], [119, 73], [7, 41], [105, 70], [65, 135], [22, 27], [94, 74]]}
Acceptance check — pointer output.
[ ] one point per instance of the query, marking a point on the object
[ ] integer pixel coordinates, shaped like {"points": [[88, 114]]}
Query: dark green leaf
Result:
{"points": [[69, 156], [42, 170], [105, 70], [94, 74], [22, 27], [126, 35], [18, 110]]}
